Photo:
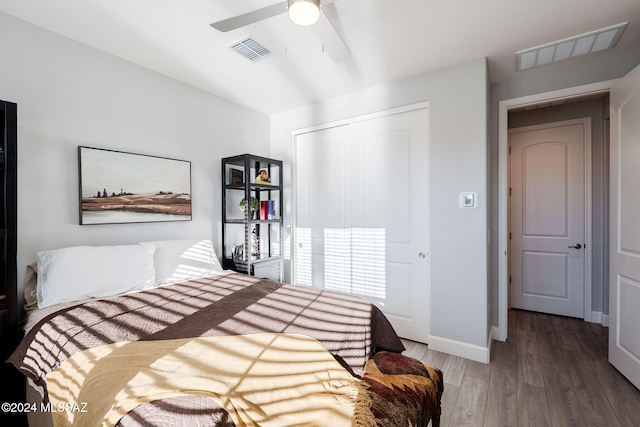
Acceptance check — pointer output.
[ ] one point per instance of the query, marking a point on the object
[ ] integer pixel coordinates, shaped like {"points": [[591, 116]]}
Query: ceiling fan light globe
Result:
{"points": [[304, 12]]}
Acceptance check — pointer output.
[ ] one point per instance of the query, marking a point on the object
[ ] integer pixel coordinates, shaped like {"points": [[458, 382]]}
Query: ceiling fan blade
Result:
{"points": [[333, 43], [250, 17]]}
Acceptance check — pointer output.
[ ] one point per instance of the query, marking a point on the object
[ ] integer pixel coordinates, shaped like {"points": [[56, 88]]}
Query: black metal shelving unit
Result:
{"points": [[252, 240]]}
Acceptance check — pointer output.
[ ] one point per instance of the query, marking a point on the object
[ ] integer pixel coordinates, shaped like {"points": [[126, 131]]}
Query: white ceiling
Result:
{"points": [[388, 39]]}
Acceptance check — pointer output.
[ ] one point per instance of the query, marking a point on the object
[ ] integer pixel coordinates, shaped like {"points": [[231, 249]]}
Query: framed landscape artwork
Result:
{"points": [[118, 187]]}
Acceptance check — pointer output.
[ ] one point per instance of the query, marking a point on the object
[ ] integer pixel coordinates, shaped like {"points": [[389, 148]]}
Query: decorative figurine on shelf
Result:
{"points": [[255, 245], [263, 177]]}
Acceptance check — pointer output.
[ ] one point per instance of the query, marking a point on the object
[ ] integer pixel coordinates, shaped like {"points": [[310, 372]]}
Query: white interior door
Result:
{"points": [[547, 245], [362, 215], [624, 277]]}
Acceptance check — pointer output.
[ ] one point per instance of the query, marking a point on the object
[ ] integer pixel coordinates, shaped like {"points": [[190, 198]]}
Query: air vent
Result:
{"points": [[583, 44], [249, 48]]}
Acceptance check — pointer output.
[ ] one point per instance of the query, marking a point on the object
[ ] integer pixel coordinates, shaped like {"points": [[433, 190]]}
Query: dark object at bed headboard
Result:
{"points": [[10, 305], [9, 331]]}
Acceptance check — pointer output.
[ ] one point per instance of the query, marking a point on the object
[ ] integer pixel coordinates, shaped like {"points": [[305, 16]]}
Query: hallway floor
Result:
{"points": [[552, 371]]}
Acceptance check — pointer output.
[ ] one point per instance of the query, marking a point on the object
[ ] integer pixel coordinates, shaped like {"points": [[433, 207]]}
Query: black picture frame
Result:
{"points": [[236, 176]]}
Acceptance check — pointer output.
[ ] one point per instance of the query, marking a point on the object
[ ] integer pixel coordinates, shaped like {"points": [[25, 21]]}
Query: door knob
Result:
{"points": [[576, 246], [422, 255]]}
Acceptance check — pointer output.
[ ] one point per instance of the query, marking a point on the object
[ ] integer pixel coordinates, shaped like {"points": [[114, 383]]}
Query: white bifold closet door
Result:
{"points": [[362, 215]]}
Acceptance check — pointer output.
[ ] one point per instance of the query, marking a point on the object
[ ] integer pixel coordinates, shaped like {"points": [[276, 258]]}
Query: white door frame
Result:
{"points": [[503, 188]]}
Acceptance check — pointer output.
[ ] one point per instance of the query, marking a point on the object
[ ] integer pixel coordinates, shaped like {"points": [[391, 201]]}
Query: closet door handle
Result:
{"points": [[576, 246]]}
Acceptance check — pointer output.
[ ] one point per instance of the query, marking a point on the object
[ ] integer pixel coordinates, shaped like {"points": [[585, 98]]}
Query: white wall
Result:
{"points": [[69, 94], [458, 100]]}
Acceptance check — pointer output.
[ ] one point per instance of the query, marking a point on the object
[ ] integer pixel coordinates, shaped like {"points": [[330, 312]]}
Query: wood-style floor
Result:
{"points": [[552, 371]]}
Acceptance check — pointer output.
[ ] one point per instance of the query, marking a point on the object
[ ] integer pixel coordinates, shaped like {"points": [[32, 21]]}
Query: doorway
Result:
{"points": [[540, 102], [550, 215]]}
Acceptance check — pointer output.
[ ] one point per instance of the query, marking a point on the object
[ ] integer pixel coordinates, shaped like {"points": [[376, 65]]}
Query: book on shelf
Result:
{"points": [[264, 209], [267, 209], [271, 212]]}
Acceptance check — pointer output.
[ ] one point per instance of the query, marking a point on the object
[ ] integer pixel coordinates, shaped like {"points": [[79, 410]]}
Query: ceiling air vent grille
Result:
{"points": [[249, 48], [572, 47]]}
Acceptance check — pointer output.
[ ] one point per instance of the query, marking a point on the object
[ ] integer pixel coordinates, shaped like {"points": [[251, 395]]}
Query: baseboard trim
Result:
{"points": [[461, 349], [495, 333], [599, 317]]}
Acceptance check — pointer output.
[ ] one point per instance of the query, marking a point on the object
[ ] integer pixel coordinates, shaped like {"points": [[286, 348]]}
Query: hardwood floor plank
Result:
{"points": [[524, 321], [527, 341], [471, 403], [453, 370], [548, 346], [414, 349], [448, 403], [533, 410], [595, 406], [502, 408], [542, 323], [529, 370], [504, 355], [564, 333], [600, 331], [435, 358], [592, 344], [478, 370], [563, 403], [623, 397]]}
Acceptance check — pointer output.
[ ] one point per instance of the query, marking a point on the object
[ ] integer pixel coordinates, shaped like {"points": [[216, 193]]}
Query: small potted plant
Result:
{"points": [[253, 205]]}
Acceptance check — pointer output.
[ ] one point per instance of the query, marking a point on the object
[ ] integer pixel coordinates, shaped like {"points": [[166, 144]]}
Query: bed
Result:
{"points": [[179, 299]]}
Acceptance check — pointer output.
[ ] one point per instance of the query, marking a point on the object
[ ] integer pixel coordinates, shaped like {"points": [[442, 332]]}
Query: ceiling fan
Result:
{"points": [[301, 12]]}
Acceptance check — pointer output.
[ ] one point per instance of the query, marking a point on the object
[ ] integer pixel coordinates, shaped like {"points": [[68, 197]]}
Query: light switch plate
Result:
{"points": [[468, 199]]}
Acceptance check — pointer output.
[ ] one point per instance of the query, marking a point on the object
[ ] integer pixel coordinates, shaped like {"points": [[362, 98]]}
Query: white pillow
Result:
{"points": [[80, 272], [180, 260]]}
